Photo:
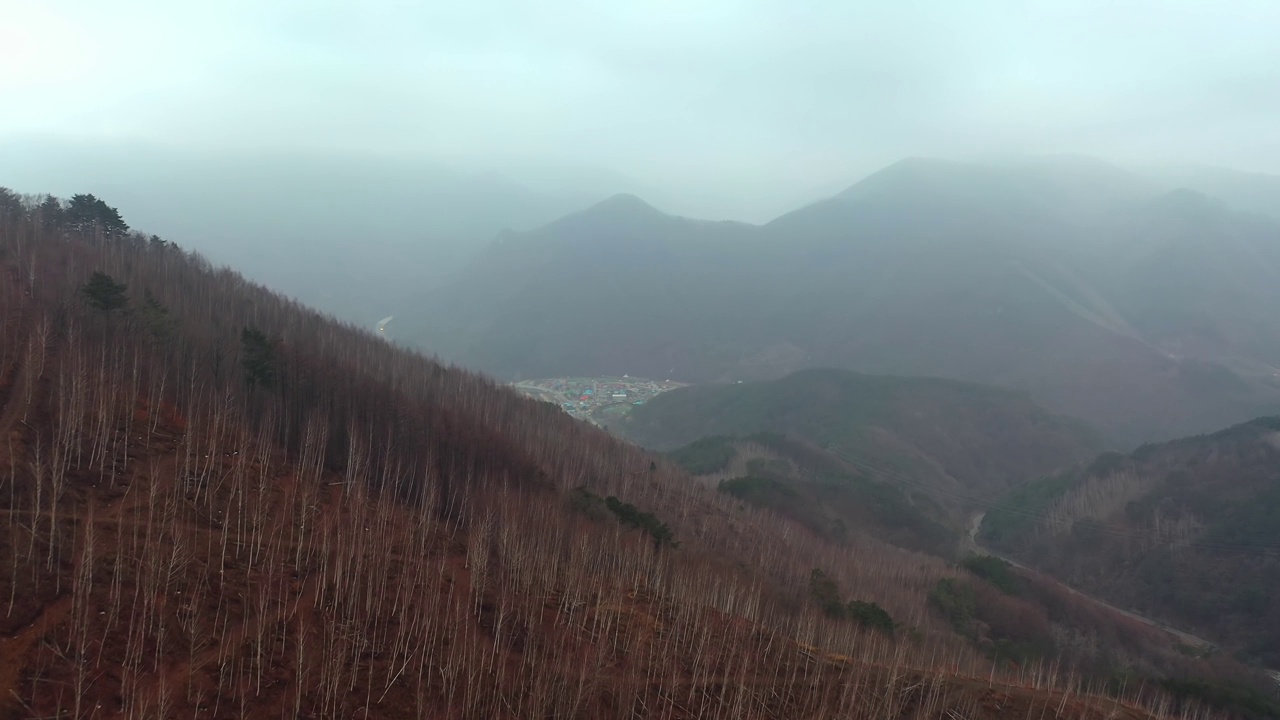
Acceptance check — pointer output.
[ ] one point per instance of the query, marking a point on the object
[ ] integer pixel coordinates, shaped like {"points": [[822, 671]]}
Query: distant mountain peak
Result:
{"points": [[1190, 204], [624, 205], [1068, 183], [1189, 196], [621, 210], [912, 174]]}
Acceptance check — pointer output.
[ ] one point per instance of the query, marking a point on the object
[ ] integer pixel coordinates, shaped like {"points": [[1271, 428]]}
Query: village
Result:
{"points": [[596, 399]]}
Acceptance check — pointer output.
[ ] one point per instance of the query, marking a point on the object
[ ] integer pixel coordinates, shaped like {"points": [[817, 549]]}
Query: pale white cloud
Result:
{"points": [[753, 97]]}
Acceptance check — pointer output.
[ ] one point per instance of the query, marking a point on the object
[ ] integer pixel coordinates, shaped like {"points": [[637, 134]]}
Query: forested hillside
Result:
{"points": [[1185, 532], [956, 439], [822, 491], [219, 503]]}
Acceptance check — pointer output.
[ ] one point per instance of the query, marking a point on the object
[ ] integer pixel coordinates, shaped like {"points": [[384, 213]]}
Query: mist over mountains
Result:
{"points": [[1106, 294], [351, 234], [1066, 286], [1140, 300], [218, 499], [613, 360]]}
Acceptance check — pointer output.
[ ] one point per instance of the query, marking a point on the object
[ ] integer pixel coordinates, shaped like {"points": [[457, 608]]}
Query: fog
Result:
{"points": [[720, 109], [314, 144]]}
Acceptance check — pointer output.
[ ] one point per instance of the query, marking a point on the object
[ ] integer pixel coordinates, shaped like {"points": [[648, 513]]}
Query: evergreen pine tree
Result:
{"points": [[103, 293], [51, 212], [258, 357], [86, 211]]}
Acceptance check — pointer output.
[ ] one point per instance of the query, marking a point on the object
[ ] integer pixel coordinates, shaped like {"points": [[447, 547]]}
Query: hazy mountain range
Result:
{"points": [[1146, 310], [1142, 301]]}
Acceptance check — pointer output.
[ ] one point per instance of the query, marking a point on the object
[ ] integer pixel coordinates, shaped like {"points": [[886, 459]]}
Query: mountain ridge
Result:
{"points": [[217, 500], [961, 438], [1112, 300]]}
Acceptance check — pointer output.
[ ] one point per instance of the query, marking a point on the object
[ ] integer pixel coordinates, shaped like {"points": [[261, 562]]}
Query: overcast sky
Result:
{"points": [[762, 101]]}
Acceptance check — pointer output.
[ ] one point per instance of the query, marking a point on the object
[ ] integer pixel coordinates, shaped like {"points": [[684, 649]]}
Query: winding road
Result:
{"points": [[975, 524]]}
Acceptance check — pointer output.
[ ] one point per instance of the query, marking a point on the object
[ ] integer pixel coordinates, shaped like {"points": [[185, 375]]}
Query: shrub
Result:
{"points": [[757, 490], [995, 571], [825, 592], [870, 615], [956, 602], [588, 503], [630, 515]]}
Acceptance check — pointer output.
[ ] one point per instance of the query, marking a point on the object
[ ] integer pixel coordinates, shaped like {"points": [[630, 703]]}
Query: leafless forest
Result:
{"points": [[218, 503]]}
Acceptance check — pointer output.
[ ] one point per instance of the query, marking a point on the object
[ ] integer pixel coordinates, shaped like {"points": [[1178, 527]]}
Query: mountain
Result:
{"points": [[944, 444], [356, 236], [218, 502], [523, 304], [1103, 295], [1257, 193], [1184, 532]]}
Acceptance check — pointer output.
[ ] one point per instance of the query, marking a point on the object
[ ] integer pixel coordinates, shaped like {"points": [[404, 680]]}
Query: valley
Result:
{"points": [[217, 498], [1103, 294], [639, 361]]}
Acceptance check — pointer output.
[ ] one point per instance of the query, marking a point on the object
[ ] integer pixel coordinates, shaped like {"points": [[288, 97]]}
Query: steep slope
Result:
{"points": [[1104, 298], [1185, 532], [218, 503], [1199, 280]]}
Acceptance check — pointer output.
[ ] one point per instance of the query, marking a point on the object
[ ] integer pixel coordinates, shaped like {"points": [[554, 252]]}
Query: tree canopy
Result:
{"points": [[104, 293], [86, 211], [259, 358]]}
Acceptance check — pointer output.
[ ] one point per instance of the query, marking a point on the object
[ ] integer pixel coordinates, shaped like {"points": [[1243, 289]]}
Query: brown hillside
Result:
{"points": [[361, 532]]}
